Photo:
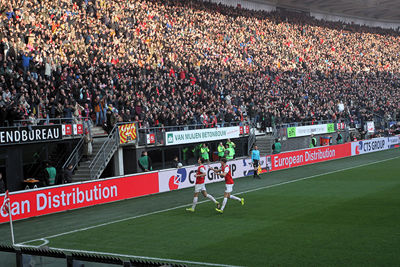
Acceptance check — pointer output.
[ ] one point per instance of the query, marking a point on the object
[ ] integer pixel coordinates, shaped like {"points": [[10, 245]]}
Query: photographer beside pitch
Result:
{"points": [[225, 172]]}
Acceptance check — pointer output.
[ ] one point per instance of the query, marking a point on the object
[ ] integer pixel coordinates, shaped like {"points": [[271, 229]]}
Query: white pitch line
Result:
{"points": [[143, 257], [182, 206]]}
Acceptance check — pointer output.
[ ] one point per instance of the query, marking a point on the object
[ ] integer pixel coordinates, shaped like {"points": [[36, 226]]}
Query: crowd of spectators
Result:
{"points": [[173, 62]]}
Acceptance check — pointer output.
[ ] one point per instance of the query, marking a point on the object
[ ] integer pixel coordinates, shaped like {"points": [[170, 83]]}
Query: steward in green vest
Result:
{"points": [[204, 152], [221, 150], [51, 174], [276, 147], [230, 143], [229, 152], [196, 151], [339, 138], [313, 142], [145, 162]]}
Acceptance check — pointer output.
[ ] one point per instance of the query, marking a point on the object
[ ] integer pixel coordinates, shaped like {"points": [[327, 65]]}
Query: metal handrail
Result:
{"points": [[190, 126], [52, 120], [75, 154], [102, 157]]}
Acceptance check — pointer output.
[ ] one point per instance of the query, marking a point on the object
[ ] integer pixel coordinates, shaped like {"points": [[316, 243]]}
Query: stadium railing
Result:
{"points": [[159, 132], [20, 256]]}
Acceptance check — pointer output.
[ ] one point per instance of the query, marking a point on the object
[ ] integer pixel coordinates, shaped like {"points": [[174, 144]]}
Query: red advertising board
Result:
{"points": [[308, 156], [55, 199]]}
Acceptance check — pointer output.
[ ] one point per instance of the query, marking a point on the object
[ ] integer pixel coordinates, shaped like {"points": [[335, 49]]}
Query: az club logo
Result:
{"points": [[177, 179], [170, 138]]}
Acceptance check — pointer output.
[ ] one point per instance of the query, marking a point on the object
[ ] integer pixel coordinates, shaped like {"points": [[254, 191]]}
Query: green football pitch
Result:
{"points": [[343, 212]]}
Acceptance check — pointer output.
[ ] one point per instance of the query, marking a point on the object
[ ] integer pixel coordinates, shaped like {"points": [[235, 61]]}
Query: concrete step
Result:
{"points": [[83, 173], [82, 179], [98, 131]]}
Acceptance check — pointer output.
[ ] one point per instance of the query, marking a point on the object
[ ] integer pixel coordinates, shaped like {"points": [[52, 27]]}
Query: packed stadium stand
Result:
{"points": [[184, 62]]}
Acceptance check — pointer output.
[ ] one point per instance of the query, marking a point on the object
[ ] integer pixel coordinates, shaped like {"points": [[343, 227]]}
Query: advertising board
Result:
{"points": [[127, 133], [20, 135], [393, 141], [55, 199], [308, 156], [310, 129], [368, 146], [185, 177], [201, 135]]}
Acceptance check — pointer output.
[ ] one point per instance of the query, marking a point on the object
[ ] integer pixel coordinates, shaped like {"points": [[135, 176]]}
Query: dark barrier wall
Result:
{"points": [[14, 172]]}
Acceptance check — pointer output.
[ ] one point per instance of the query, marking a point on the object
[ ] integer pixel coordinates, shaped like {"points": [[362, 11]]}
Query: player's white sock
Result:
{"points": [[235, 198], [194, 202], [211, 198], [224, 203]]}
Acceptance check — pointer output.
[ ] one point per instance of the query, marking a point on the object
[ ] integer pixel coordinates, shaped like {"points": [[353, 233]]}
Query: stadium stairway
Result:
{"points": [[264, 143], [82, 172]]}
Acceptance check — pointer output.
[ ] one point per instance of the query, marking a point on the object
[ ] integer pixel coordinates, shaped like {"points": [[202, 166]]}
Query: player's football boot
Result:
{"points": [[220, 211], [190, 209], [242, 201]]}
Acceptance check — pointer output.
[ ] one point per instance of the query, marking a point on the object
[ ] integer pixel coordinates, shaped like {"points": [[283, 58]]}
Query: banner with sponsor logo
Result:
{"points": [[20, 135], [308, 156], [370, 126], [55, 199], [393, 141], [341, 126], [201, 135], [127, 133], [310, 129], [368, 146], [151, 138], [185, 177], [72, 129]]}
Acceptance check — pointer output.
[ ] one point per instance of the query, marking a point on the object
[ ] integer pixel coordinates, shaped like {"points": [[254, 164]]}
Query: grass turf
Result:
{"points": [[344, 218]]}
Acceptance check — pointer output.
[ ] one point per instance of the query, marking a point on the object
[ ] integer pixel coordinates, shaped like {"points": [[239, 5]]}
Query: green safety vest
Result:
{"points": [[52, 175], [204, 153], [231, 144], [340, 141], [231, 153], [277, 148], [144, 161], [311, 143], [221, 151]]}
